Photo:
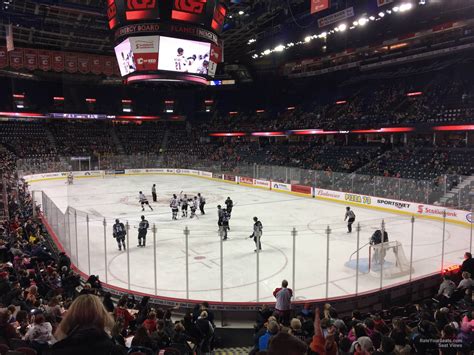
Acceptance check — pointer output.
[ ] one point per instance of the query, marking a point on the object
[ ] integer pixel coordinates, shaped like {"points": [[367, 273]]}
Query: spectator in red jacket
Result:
{"points": [[283, 296], [121, 312]]}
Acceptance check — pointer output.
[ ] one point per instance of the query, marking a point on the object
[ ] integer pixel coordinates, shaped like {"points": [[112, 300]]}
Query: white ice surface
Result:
{"points": [[112, 198]]}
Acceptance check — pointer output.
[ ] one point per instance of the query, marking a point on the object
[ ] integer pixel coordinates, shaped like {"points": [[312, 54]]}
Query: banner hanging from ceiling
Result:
{"points": [[319, 5]]}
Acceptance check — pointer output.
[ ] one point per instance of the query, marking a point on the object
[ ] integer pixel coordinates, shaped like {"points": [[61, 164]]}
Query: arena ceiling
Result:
{"points": [[80, 25]]}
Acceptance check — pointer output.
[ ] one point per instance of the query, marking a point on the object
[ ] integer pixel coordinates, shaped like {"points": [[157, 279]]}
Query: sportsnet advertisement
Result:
{"points": [[145, 52], [185, 56]]}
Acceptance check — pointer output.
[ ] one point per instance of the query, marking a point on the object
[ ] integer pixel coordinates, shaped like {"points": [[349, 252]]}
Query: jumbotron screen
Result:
{"points": [[151, 53], [175, 40]]}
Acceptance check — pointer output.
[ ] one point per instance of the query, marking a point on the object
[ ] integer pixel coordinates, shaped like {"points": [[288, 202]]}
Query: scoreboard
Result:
{"points": [[163, 40]]}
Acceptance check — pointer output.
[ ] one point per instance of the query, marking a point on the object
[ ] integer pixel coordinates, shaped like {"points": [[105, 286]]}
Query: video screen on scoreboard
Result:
{"points": [[125, 59], [182, 55]]}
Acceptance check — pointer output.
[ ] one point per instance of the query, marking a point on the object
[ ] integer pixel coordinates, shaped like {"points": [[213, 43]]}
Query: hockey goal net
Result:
{"points": [[388, 257]]}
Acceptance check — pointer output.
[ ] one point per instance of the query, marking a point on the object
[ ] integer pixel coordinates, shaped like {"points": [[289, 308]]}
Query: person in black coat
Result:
{"points": [[108, 303], [468, 264]]}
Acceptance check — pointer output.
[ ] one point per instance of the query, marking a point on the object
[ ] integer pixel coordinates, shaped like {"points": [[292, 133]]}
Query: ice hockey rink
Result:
{"points": [[117, 197]]}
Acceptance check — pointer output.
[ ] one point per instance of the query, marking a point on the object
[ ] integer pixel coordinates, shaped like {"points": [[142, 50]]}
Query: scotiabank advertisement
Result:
{"points": [[145, 52]]}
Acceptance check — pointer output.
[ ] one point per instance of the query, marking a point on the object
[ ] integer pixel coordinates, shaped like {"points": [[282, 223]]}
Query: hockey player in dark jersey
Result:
{"points": [[225, 224], [229, 205], [202, 202], [142, 231], [220, 214], [183, 200], [119, 234], [153, 193], [174, 205]]}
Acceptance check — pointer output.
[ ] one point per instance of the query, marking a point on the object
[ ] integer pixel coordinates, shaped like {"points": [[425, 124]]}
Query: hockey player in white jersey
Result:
{"points": [[143, 201], [194, 206], [180, 61], [174, 205], [70, 178]]}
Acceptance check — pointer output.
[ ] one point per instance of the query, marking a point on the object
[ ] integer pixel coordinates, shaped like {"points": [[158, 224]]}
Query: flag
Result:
{"points": [[9, 37]]}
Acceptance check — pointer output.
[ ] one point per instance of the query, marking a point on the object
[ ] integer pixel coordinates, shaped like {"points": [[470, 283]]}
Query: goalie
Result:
{"points": [[376, 239]]}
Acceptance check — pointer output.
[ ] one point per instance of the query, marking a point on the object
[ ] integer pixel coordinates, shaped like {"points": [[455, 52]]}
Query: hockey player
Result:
{"points": [[202, 202], [194, 206], [376, 239], [183, 200], [350, 217], [174, 205], [142, 230], [257, 233], [229, 205], [153, 192], [220, 215], [70, 178], [204, 68], [180, 61], [225, 224], [143, 201], [119, 234]]}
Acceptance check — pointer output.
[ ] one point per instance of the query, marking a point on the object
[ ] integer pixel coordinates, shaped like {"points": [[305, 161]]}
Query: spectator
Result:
{"points": [[142, 340], [468, 263], [180, 337], [160, 338], [40, 333], [446, 290], [7, 331], [263, 341], [401, 343], [320, 343], [286, 344], [108, 303], [295, 329], [283, 296], [121, 312], [150, 323], [83, 330], [206, 330]]}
